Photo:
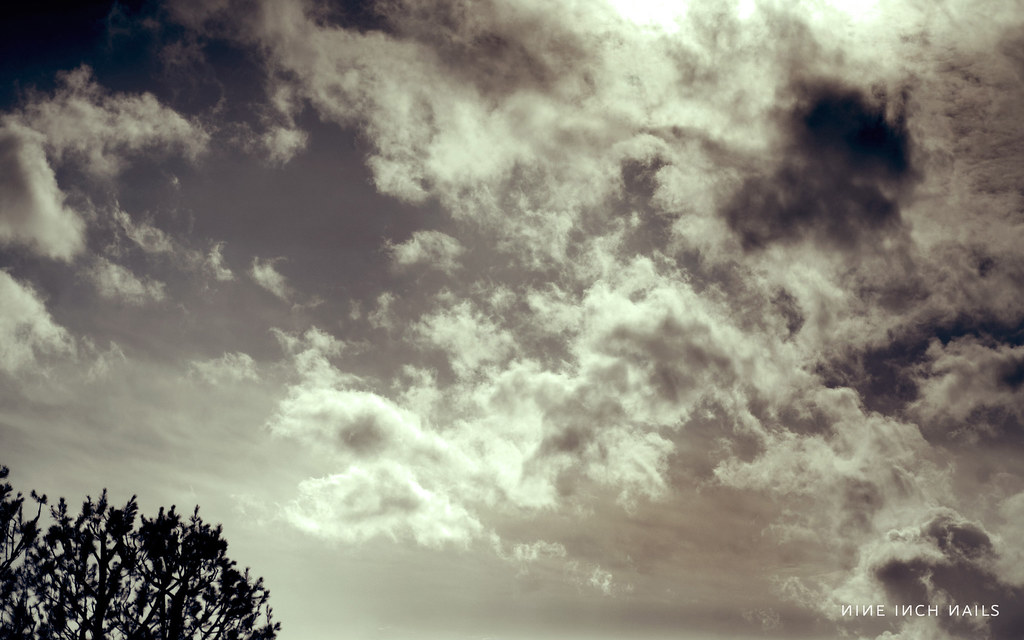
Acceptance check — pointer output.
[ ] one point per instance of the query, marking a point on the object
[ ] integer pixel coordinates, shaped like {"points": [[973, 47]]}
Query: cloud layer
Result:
{"points": [[716, 308], [712, 238]]}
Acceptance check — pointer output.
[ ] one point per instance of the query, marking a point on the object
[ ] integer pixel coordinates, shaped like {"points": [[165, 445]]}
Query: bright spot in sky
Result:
{"points": [[659, 14]]}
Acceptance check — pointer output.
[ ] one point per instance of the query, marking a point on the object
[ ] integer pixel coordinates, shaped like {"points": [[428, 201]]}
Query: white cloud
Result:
{"points": [[175, 250], [507, 440], [147, 237], [429, 249], [28, 333], [32, 208], [383, 316], [469, 339], [283, 143], [593, 576], [385, 500], [601, 579], [116, 282], [97, 130], [104, 361], [214, 264], [635, 462], [451, 471], [963, 379], [401, 481], [538, 550], [265, 275], [357, 424], [655, 14], [230, 367], [311, 353]]}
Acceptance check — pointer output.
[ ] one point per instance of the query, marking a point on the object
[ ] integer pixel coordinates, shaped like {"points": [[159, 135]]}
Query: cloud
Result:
{"points": [[214, 264], [485, 445], [28, 334], [81, 125], [283, 143], [230, 367], [98, 131], [524, 127], [429, 249], [32, 206], [946, 560], [970, 390], [356, 424], [864, 468], [387, 500], [265, 275], [400, 480], [469, 339], [382, 317], [140, 241], [104, 361], [767, 253], [841, 176], [144, 235], [115, 282], [141, 238], [519, 435], [537, 550]]}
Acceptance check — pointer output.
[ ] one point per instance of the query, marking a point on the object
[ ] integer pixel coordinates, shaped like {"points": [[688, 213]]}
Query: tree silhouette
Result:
{"points": [[98, 576], [17, 536]]}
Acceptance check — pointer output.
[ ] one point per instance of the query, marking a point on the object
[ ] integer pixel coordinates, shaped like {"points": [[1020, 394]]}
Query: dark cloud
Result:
{"points": [[357, 15], [639, 177], [904, 580], [963, 539], [959, 575], [789, 308], [571, 440], [970, 390], [883, 375], [364, 435], [1011, 374], [887, 376], [840, 126], [839, 181]]}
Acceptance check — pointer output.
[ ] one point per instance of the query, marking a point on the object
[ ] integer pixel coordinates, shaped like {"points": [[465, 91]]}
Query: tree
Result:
{"points": [[17, 536], [98, 576]]}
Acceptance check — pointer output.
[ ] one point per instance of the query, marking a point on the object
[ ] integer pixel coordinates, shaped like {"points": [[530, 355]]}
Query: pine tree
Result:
{"points": [[17, 538], [108, 574]]}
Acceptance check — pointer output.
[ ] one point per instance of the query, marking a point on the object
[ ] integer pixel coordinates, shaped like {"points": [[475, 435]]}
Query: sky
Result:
{"points": [[526, 319]]}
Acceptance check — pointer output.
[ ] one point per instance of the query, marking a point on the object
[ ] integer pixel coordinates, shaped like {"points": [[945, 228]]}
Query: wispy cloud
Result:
{"points": [[428, 250], [265, 275], [100, 131], [230, 367], [116, 282]]}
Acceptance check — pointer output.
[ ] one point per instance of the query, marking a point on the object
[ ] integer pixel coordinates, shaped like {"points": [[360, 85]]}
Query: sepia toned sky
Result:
{"points": [[520, 319]]}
